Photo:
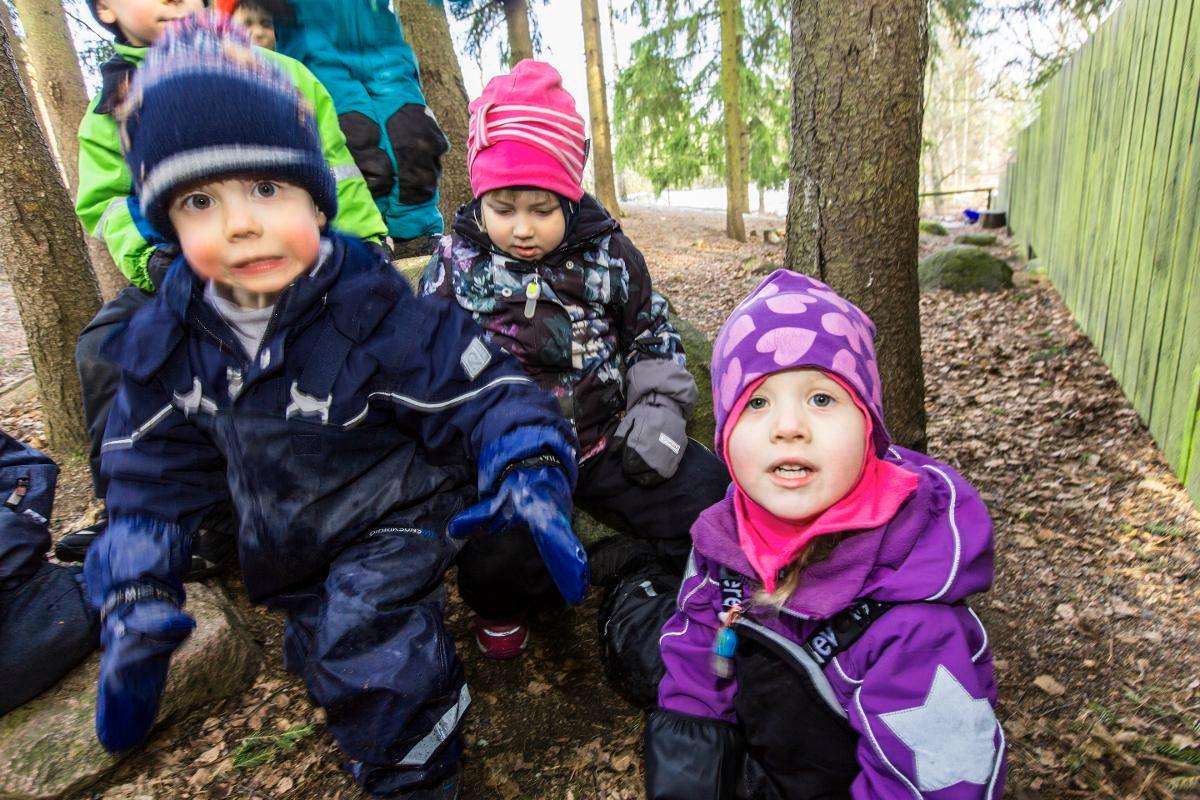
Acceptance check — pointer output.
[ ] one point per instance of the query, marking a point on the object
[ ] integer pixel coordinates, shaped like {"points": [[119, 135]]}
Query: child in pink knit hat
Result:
{"points": [[551, 277]]}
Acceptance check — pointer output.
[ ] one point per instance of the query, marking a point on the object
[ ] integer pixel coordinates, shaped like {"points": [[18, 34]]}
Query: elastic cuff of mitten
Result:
{"points": [[133, 593], [540, 460], [522, 443]]}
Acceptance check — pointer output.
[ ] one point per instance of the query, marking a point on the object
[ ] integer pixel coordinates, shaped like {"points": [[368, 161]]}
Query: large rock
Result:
{"points": [[48, 746], [977, 239], [963, 268]]}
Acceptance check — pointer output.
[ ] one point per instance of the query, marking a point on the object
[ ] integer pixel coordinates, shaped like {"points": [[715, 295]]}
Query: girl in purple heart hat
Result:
{"points": [[821, 645]]}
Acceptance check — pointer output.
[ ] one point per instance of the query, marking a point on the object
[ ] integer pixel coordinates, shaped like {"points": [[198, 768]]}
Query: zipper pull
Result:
{"points": [[533, 290], [725, 643], [18, 493]]}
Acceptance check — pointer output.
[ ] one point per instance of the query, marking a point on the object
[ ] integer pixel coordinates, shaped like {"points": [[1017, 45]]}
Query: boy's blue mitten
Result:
{"points": [[536, 493], [142, 627]]}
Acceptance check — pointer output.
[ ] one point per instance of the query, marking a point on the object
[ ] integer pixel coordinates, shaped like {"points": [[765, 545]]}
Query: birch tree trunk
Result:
{"points": [[735, 184], [428, 32], [602, 158], [46, 261], [857, 73]]}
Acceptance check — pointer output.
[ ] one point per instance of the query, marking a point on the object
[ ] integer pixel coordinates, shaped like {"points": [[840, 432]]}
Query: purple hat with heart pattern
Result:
{"points": [[792, 321]]}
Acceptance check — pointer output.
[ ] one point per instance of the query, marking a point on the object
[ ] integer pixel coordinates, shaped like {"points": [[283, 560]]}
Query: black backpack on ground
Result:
{"points": [[46, 625]]}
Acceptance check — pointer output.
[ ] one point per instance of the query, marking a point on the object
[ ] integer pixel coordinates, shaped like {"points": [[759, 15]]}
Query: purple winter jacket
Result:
{"points": [[917, 688]]}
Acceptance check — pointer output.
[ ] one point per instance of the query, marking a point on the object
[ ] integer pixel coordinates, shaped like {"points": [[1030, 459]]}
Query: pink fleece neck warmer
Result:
{"points": [[771, 543]]}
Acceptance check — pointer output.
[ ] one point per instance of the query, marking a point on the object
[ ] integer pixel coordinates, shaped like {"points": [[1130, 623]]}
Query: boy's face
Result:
{"points": [[526, 223], [141, 21], [259, 23], [251, 236]]}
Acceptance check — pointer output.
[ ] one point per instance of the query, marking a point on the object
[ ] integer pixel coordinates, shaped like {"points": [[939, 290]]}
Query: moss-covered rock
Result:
{"points": [[933, 227], [48, 746], [977, 239], [963, 268]]}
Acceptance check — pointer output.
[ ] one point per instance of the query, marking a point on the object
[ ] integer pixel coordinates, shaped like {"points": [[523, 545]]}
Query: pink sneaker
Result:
{"points": [[499, 639]]}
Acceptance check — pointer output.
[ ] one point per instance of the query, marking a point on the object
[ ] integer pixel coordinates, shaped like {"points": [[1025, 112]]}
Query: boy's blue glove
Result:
{"points": [[540, 497], [138, 638]]}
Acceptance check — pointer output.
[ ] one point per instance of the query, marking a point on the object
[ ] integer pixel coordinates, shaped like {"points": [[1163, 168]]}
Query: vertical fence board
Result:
{"points": [[1172, 221], [1163, 193], [1142, 39]]}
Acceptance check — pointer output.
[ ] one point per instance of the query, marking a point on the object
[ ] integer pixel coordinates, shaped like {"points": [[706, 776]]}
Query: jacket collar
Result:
{"points": [[862, 565], [115, 72], [367, 289], [592, 222]]}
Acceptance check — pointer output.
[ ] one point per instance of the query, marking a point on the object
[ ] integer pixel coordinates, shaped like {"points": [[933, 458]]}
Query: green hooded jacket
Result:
{"points": [[106, 186]]}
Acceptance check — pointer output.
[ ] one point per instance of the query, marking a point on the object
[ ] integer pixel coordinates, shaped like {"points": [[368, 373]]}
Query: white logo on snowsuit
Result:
{"points": [[307, 405]]}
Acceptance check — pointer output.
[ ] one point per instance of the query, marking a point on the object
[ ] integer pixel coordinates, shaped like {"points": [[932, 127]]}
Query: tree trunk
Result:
{"points": [[744, 147], [520, 44], [852, 206], [762, 199], [56, 292], [735, 184], [58, 83], [59, 78], [428, 32], [612, 35], [602, 158]]}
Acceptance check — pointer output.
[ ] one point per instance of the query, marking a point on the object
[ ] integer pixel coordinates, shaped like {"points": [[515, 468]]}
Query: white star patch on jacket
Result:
{"points": [[951, 735]]}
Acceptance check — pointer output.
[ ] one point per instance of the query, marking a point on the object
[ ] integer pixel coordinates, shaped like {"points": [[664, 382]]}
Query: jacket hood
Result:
{"points": [[591, 222], [938, 547]]}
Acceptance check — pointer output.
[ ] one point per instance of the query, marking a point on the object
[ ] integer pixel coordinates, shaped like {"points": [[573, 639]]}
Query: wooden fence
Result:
{"points": [[1105, 191]]}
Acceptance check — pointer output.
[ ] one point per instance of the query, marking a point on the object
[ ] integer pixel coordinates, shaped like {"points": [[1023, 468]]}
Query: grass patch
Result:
{"points": [[1163, 529], [262, 748]]}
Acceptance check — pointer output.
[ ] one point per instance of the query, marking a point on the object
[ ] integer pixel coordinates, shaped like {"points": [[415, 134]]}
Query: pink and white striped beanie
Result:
{"points": [[525, 131]]}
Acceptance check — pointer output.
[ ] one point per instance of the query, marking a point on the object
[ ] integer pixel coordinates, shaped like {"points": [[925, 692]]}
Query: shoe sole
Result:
{"points": [[506, 657], [70, 555]]}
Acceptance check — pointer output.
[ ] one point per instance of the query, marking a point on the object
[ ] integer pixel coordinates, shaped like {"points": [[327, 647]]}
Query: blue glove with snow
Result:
{"points": [[142, 627], [538, 495]]}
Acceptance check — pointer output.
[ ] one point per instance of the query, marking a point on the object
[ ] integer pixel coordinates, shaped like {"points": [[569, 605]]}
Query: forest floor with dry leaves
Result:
{"points": [[1093, 617]]}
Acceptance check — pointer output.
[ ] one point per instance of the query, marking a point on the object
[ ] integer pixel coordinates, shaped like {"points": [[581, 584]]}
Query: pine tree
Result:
{"points": [[523, 38], [669, 101], [602, 156]]}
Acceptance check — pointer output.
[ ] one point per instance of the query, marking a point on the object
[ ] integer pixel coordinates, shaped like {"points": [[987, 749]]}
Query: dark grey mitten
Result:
{"points": [[653, 433]]}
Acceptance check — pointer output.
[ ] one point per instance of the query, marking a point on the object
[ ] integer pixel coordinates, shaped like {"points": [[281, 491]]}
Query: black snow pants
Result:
{"points": [[502, 576]]}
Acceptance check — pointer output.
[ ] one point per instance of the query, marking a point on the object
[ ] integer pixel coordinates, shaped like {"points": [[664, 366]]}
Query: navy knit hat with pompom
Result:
{"points": [[205, 106]]}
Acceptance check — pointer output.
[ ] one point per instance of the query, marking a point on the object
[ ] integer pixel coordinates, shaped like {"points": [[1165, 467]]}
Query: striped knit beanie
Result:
{"points": [[205, 106], [525, 132]]}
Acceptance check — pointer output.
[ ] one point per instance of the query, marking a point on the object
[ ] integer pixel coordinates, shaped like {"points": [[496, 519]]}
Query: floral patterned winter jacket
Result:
{"points": [[578, 319]]}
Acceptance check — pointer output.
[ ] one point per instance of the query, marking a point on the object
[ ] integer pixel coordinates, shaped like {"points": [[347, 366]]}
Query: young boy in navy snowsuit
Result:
{"points": [[289, 370], [108, 206]]}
